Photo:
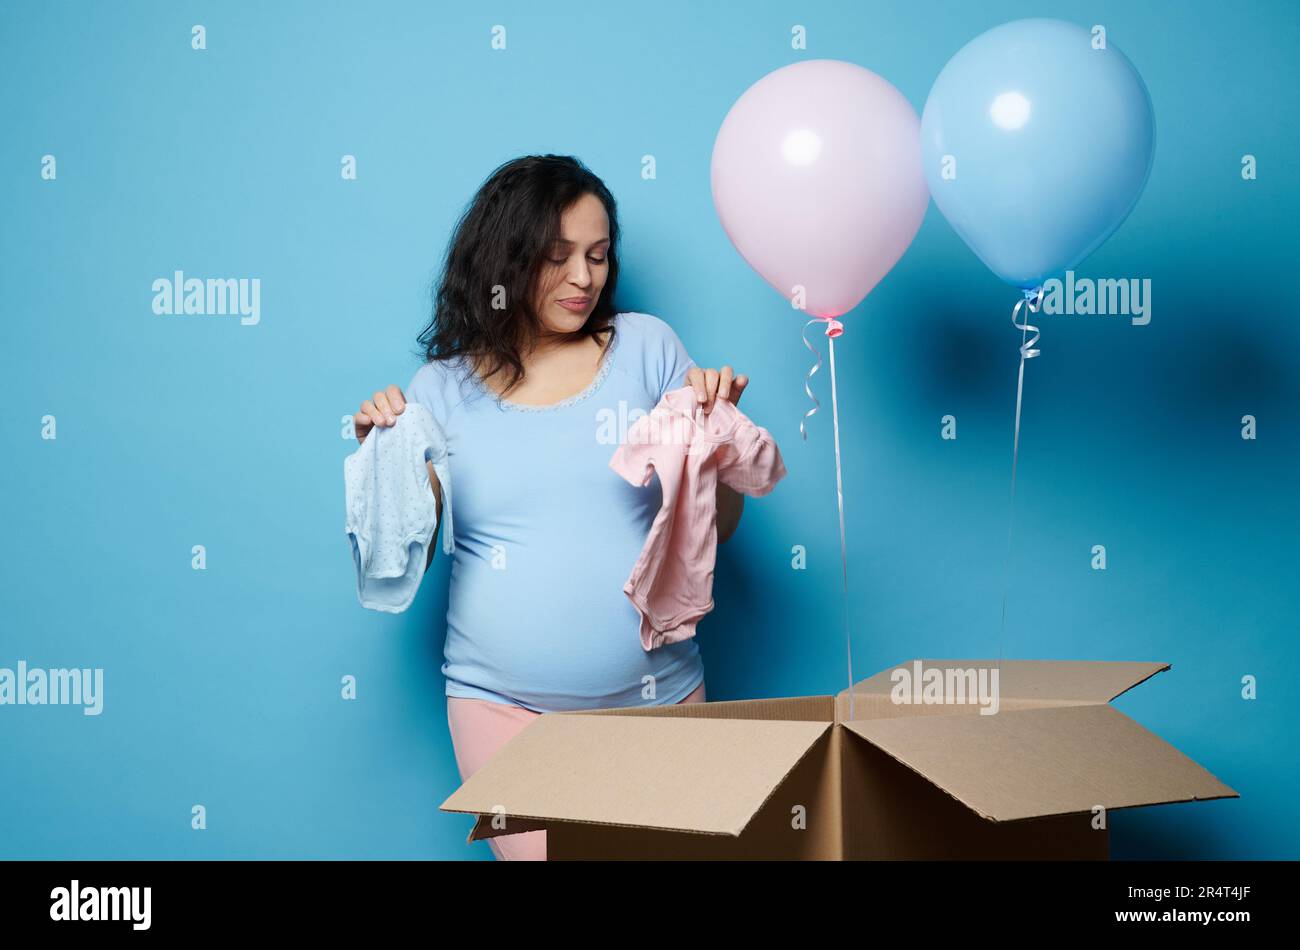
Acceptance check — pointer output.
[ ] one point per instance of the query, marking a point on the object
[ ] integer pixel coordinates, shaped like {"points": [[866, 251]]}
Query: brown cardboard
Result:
{"points": [[842, 777]]}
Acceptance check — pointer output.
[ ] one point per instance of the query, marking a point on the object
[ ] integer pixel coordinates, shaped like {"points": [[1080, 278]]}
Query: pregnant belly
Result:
{"points": [[555, 636]]}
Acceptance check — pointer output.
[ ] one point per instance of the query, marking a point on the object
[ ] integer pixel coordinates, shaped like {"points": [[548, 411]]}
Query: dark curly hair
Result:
{"points": [[502, 240]]}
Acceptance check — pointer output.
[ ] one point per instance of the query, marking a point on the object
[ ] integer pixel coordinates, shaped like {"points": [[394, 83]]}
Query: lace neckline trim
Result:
{"points": [[606, 362]]}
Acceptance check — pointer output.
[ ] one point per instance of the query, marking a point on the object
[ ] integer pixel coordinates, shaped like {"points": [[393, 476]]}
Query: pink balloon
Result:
{"points": [[818, 183]]}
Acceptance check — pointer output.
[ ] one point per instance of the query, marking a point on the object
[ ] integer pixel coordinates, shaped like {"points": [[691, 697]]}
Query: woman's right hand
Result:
{"points": [[381, 409]]}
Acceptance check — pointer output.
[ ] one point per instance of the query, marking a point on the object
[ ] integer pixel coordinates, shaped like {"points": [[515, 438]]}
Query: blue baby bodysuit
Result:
{"points": [[392, 513], [546, 534]]}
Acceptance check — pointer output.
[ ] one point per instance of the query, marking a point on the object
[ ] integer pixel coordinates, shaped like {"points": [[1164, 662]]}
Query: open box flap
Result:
{"points": [[1032, 763], [701, 775], [1056, 681]]}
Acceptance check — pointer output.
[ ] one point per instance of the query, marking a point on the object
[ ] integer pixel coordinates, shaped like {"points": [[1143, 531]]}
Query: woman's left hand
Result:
{"points": [[714, 383]]}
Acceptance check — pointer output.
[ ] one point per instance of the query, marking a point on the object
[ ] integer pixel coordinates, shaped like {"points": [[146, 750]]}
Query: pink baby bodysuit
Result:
{"points": [[671, 583]]}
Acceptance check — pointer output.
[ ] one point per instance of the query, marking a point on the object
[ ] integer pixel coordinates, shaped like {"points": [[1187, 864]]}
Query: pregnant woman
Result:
{"points": [[532, 374]]}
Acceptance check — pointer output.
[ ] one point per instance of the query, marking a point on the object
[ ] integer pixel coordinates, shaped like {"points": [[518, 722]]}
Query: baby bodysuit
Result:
{"points": [[671, 584], [392, 513]]}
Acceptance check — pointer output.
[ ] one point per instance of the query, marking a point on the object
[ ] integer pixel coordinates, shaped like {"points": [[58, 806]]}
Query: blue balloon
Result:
{"points": [[1037, 140]]}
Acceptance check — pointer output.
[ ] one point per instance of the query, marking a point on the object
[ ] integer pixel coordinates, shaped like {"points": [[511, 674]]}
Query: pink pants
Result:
{"points": [[478, 729]]}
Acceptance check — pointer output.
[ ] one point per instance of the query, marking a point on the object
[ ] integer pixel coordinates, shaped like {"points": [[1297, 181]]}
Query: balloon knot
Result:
{"points": [[833, 327]]}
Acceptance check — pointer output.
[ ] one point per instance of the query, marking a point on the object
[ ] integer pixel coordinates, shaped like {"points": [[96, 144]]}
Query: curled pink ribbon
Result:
{"points": [[833, 329]]}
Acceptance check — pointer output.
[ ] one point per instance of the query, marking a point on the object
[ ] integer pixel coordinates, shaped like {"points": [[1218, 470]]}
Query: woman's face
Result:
{"points": [[575, 269]]}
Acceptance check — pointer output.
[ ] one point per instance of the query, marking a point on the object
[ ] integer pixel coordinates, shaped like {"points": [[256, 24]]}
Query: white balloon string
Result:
{"points": [[1031, 301], [833, 329], [839, 496]]}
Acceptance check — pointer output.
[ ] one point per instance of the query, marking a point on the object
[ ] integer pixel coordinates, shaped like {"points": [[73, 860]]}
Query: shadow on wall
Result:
{"points": [[1208, 348], [947, 348], [737, 661], [1144, 834], [769, 634], [1226, 365]]}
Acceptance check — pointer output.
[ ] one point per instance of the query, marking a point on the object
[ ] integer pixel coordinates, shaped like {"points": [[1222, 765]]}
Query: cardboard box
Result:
{"points": [[873, 775]]}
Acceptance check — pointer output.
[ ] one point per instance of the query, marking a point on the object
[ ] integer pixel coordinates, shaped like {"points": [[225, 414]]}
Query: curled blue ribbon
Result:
{"points": [[1032, 301]]}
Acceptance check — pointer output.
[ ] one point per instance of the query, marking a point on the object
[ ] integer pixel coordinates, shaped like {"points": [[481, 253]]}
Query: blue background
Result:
{"points": [[222, 686]]}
